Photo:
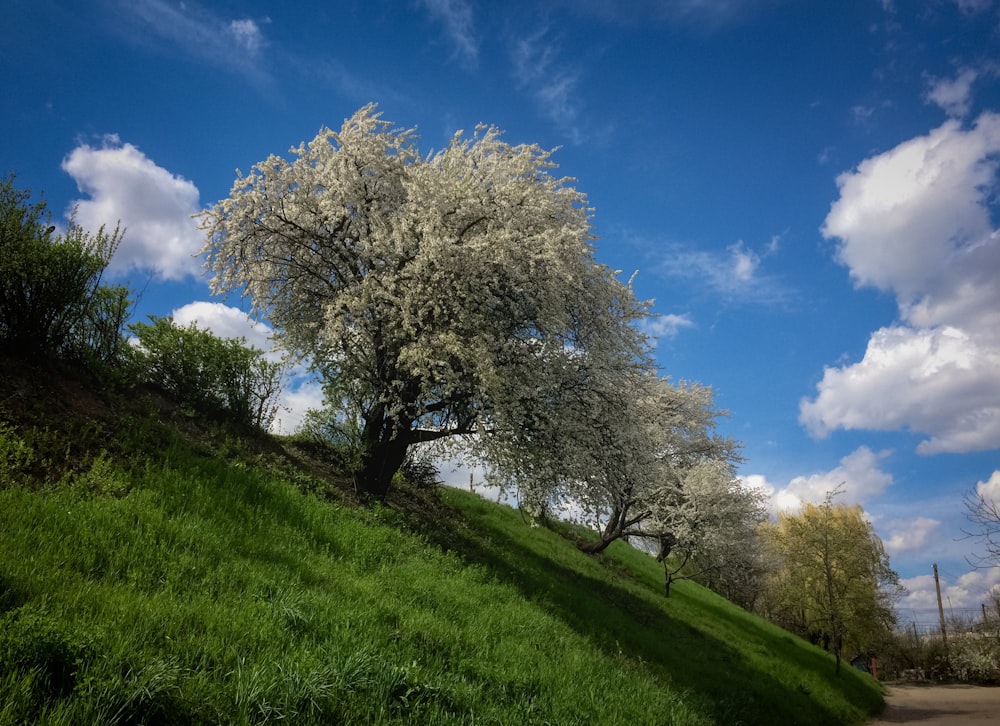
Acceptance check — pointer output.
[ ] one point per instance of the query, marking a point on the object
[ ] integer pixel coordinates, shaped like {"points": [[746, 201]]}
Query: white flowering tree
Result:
{"points": [[642, 460], [709, 523], [439, 295]]}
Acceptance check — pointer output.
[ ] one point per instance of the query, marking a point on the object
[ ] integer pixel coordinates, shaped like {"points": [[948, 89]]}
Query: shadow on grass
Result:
{"points": [[620, 621]]}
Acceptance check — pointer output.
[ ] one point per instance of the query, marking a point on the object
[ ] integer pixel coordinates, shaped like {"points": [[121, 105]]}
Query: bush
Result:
{"points": [[52, 302], [98, 338], [337, 436], [16, 456], [974, 657], [214, 376], [420, 472]]}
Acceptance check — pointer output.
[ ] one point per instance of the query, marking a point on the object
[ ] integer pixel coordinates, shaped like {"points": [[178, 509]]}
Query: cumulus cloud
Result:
{"points": [[858, 477], [916, 221], [225, 321], [298, 396], [990, 489], [907, 219], [938, 381], [773, 495], [456, 16], [909, 534], [963, 592], [153, 205]]}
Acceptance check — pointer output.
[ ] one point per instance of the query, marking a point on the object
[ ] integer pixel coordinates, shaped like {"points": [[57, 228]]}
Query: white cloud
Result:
{"points": [[706, 14], [973, 7], [910, 534], [858, 477], [456, 16], [990, 489], [299, 395], [735, 274], [905, 217], [916, 221], [966, 592], [666, 326], [225, 321], [776, 498], [744, 262], [954, 96], [247, 35], [553, 85], [196, 31], [153, 205], [937, 381]]}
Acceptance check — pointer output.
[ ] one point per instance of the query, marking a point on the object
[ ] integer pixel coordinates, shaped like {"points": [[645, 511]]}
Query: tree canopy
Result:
{"points": [[444, 294], [639, 457], [833, 582], [983, 512]]}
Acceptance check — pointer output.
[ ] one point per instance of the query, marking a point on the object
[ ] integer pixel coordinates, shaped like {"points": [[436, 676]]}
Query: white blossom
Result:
{"points": [[442, 294]]}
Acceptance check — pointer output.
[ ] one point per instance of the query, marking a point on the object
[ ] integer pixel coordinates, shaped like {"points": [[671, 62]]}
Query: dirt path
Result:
{"points": [[940, 705]]}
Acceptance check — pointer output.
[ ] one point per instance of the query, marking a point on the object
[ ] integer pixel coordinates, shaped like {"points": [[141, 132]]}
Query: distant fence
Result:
{"points": [[925, 622]]}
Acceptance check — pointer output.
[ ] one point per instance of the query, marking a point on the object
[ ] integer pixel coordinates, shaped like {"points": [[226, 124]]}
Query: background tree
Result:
{"points": [[983, 512], [636, 457], [737, 566], [833, 582], [707, 528], [436, 290]]}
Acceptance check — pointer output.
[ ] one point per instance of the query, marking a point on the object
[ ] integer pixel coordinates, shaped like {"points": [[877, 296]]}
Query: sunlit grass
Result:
{"points": [[208, 591]]}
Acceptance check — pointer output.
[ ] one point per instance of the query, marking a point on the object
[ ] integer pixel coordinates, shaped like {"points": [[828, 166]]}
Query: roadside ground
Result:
{"points": [[940, 705]]}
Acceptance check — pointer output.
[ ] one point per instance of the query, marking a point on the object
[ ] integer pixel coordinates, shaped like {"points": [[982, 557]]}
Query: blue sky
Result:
{"points": [[808, 190]]}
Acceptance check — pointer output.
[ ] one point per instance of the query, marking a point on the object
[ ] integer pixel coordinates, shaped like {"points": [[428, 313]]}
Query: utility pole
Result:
{"points": [[944, 634]]}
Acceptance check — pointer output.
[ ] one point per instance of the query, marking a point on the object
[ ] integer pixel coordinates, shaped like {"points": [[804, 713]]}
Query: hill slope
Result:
{"points": [[189, 575]]}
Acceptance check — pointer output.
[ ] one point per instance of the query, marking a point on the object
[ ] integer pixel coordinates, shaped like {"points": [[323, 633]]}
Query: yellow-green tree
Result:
{"points": [[832, 581]]}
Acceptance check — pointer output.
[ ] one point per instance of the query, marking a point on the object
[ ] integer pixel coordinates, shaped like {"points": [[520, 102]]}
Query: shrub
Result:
{"points": [[336, 434], [52, 302], [98, 338], [419, 471], [15, 455], [214, 376], [974, 657]]}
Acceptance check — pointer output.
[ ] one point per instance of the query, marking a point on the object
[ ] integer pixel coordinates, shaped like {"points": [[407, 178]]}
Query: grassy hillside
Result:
{"points": [[167, 573]]}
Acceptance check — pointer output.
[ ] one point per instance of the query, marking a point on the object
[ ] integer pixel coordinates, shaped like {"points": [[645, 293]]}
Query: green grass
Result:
{"points": [[211, 591]]}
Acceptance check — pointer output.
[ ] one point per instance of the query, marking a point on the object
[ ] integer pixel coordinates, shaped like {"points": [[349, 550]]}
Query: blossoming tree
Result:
{"points": [[637, 457], [440, 295]]}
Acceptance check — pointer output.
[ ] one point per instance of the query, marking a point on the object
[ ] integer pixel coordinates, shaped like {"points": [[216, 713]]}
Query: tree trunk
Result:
{"points": [[612, 530], [595, 548], [385, 445]]}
